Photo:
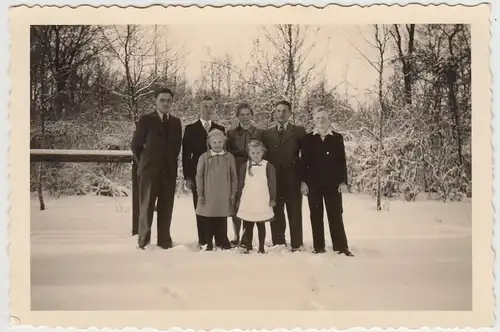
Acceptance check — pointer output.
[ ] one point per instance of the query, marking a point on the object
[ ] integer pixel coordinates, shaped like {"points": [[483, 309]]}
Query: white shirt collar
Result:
{"points": [[212, 153], [328, 132], [203, 122], [284, 125], [161, 115]]}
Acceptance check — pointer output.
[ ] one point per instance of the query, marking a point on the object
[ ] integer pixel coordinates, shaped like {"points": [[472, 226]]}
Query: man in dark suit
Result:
{"points": [[194, 144], [156, 145], [282, 143], [324, 175]]}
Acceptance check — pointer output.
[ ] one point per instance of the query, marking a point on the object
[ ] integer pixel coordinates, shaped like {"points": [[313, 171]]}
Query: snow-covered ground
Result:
{"points": [[411, 256]]}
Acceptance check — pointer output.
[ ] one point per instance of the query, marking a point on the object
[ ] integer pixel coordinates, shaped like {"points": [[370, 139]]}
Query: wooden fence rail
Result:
{"points": [[94, 156]]}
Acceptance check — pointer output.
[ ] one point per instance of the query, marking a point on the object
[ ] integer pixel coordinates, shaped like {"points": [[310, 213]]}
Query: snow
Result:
{"points": [[410, 256]]}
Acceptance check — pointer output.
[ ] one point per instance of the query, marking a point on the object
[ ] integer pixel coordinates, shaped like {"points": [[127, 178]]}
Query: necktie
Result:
{"points": [[281, 131], [206, 126], [164, 122]]}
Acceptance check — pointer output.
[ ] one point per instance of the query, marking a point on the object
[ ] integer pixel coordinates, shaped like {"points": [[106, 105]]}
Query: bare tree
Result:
{"points": [[134, 52], [292, 48], [67, 47], [280, 66], [381, 35], [57, 53], [405, 56]]}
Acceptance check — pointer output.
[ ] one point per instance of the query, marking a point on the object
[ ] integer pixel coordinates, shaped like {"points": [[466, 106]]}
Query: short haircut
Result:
{"points": [[243, 106], [214, 133], [284, 102], [161, 90], [255, 143], [320, 109]]}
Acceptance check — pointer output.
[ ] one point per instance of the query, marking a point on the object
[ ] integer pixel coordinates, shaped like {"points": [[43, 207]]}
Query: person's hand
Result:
{"points": [[231, 200], [343, 188], [272, 203], [202, 200], [304, 189], [189, 184]]}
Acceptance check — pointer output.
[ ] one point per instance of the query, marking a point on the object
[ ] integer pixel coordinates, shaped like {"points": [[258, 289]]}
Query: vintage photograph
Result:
{"points": [[251, 167], [246, 167]]}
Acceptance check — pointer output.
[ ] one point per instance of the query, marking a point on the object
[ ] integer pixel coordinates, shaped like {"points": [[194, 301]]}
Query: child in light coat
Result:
{"points": [[216, 183]]}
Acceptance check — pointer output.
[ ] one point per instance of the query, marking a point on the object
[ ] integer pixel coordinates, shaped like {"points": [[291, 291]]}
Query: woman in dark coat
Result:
{"points": [[238, 140]]}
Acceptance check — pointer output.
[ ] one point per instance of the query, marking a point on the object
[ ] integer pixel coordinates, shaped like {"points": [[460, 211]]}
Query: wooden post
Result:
{"points": [[95, 156], [135, 200]]}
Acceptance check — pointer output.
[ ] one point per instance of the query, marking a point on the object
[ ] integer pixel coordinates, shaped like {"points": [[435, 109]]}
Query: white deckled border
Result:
{"points": [[5, 128]]}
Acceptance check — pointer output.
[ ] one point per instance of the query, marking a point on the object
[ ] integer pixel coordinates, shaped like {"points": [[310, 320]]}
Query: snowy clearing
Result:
{"points": [[411, 256]]}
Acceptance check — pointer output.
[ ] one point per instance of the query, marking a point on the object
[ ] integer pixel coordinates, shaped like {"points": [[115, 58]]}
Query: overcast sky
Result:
{"points": [[334, 48]]}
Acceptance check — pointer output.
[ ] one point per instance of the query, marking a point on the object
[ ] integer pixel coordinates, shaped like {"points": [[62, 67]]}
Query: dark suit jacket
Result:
{"points": [[194, 144], [323, 162], [153, 149], [284, 154]]}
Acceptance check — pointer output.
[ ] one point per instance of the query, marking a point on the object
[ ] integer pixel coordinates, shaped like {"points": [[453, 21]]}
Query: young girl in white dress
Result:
{"points": [[256, 195]]}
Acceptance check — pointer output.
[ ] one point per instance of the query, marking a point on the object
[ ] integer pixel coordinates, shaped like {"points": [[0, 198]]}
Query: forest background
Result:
{"points": [[405, 113]]}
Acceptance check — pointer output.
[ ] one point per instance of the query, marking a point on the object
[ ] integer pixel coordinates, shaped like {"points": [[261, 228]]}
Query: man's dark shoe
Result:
{"points": [[165, 246], [319, 251], [346, 252], [141, 247]]}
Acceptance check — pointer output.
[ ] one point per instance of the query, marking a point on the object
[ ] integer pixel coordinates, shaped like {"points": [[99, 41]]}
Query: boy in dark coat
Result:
{"points": [[324, 176]]}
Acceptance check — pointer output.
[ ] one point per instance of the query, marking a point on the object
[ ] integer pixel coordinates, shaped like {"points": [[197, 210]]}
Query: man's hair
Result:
{"points": [[161, 90], [284, 102], [241, 106], [318, 109]]}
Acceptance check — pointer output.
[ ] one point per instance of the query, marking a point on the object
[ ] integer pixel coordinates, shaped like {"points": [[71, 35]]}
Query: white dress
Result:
{"points": [[254, 202]]}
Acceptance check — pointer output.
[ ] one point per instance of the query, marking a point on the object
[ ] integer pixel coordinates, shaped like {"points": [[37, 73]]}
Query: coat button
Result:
{"points": [[328, 152]]}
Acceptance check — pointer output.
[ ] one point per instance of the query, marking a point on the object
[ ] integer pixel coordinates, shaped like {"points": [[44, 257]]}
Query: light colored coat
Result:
{"points": [[217, 183]]}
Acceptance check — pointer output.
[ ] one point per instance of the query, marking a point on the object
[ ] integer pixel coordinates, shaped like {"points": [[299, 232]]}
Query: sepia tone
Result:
{"points": [[400, 95]]}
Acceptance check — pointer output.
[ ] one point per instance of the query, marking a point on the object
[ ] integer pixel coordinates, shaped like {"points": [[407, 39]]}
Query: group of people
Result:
{"points": [[245, 173]]}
